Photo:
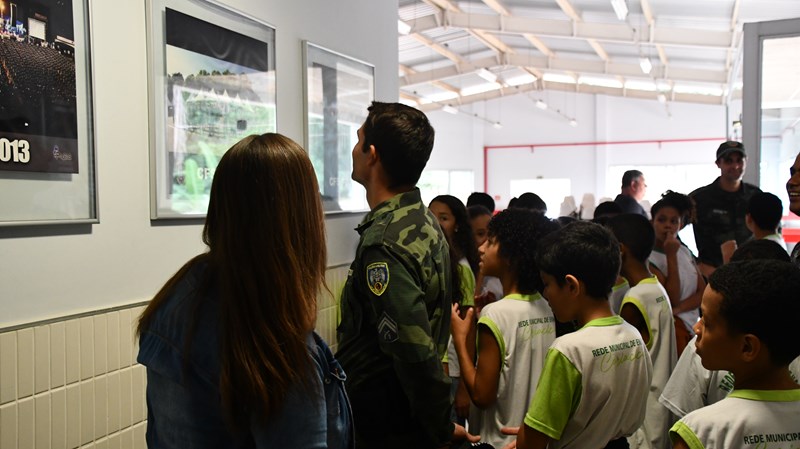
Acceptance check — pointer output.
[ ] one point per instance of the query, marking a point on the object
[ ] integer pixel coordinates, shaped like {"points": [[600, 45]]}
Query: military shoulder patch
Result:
{"points": [[378, 277]]}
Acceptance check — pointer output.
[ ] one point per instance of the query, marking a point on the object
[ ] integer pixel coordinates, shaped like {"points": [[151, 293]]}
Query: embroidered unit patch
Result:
{"points": [[378, 277], [387, 328]]}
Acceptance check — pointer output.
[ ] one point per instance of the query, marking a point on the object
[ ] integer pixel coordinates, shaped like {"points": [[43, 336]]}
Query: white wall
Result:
{"points": [[600, 119], [49, 272]]}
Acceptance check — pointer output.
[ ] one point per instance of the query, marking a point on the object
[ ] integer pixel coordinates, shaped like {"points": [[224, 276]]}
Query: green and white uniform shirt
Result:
{"points": [[692, 387], [594, 386], [650, 298], [618, 293], [524, 327], [746, 419], [467, 280], [687, 270]]}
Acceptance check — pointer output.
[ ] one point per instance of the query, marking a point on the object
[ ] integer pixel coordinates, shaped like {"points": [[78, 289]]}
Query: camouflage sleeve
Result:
{"points": [[405, 335]]}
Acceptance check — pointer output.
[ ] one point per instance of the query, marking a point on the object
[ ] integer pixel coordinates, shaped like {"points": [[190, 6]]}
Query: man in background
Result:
{"points": [[633, 190]]}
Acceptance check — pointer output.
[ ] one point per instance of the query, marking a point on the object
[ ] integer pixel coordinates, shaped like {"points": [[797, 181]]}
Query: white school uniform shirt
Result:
{"points": [[745, 419], [594, 386], [618, 292], [650, 298], [524, 327], [687, 270], [692, 387]]}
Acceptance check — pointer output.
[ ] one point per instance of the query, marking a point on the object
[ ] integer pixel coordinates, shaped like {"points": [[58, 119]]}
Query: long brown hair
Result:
{"points": [[265, 232]]}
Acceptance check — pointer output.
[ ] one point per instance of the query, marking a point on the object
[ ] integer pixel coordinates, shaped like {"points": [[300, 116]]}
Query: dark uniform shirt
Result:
{"points": [[629, 205], [395, 326], [720, 217]]}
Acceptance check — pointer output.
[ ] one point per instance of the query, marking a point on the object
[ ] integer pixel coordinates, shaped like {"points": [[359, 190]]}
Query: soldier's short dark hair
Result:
{"points": [[766, 210], [635, 232], [585, 250], [518, 231], [759, 297], [403, 139]]}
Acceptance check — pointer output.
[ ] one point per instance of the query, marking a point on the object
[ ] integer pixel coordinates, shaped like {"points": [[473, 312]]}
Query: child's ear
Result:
{"points": [[573, 284], [751, 347], [623, 250]]}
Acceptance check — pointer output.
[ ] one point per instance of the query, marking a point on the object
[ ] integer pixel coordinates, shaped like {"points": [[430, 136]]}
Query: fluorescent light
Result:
{"points": [[403, 28], [441, 96], [620, 9], [479, 89], [559, 78], [601, 82], [662, 98], [487, 75], [648, 86], [541, 104], [646, 65], [698, 90], [526, 78], [573, 123], [449, 109], [497, 125]]}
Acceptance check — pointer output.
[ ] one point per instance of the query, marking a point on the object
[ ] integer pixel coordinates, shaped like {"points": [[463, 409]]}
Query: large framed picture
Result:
{"points": [[338, 91], [47, 166], [212, 82]]}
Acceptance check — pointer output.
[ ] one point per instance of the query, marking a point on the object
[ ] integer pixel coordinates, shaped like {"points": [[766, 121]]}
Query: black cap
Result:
{"points": [[729, 147]]}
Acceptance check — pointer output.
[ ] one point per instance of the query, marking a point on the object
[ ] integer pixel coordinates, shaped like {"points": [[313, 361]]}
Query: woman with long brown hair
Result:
{"points": [[232, 360]]}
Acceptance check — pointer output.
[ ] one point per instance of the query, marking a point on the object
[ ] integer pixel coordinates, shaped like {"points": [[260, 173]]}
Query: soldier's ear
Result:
{"points": [[372, 156]]}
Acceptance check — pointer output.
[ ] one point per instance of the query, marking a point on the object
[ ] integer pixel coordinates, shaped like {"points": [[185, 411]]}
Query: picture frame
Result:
{"points": [[212, 82], [338, 90], [47, 147]]}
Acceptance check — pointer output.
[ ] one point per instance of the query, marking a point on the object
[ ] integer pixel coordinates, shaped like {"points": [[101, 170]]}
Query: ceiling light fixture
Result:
{"points": [[541, 104], [449, 109], [403, 28], [646, 65], [662, 98], [573, 123], [487, 75], [497, 125], [620, 9]]}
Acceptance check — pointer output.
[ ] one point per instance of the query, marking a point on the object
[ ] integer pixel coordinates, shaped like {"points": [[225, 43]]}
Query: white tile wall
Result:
{"points": [[76, 384]]}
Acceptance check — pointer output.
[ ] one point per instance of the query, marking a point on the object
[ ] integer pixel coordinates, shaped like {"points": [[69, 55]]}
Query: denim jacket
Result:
{"points": [[184, 408]]}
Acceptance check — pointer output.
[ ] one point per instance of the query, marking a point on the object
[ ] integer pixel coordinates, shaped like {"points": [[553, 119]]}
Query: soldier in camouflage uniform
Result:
{"points": [[396, 301]]}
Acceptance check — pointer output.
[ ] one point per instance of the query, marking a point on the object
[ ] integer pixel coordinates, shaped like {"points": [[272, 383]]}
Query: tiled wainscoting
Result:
{"points": [[74, 382]]}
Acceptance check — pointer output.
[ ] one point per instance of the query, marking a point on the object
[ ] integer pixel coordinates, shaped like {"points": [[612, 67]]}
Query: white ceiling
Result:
{"points": [[578, 46]]}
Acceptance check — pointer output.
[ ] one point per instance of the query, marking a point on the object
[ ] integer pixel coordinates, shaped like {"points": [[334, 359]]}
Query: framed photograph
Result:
{"points": [[339, 89], [212, 82], [47, 167]]}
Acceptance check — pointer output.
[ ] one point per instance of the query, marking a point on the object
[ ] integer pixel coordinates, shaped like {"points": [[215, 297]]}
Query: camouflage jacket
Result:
{"points": [[395, 326], [720, 217]]}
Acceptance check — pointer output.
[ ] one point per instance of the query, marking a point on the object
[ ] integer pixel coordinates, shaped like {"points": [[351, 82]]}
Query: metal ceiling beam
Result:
{"points": [[579, 88], [498, 7], [602, 32], [569, 10], [580, 66], [601, 52], [408, 71], [541, 46]]}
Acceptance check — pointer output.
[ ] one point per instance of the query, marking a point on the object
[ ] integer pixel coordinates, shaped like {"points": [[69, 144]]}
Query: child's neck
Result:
{"points": [[772, 379], [635, 271], [509, 282], [593, 309], [759, 233]]}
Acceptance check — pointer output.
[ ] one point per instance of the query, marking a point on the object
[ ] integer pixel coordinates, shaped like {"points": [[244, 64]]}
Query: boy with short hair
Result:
{"points": [[647, 307], [513, 333], [764, 212], [593, 389], [749, 311]]}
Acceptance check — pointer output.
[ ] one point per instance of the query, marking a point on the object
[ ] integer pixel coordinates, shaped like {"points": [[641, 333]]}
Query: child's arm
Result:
{"points": [[634, 317], [679, 443], [693, 301], [481, 380], [672, 280]]}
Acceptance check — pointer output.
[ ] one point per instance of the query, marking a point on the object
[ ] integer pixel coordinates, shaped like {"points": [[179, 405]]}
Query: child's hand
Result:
{"points": [[510, 431], [671, 244], [459, 328]]}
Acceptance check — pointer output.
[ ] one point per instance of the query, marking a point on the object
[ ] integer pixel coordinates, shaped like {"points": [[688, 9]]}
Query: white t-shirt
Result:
{"points": [[692, 387], [524, 327], [594, 386], [687, 269], [649, 297], [618, 292], [754, 419]]}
